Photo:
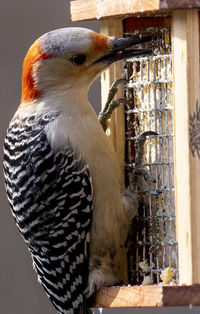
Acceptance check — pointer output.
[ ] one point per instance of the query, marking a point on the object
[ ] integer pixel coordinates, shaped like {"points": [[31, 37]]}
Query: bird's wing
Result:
{"points": [[51, 199]]}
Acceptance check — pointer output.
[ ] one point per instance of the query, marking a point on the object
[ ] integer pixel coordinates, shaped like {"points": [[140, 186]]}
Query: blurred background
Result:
{"points": [[21, 22]]}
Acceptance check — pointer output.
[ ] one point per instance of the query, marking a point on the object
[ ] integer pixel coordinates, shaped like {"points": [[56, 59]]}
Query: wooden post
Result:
{"points": [[116, 129], [185, 40]]}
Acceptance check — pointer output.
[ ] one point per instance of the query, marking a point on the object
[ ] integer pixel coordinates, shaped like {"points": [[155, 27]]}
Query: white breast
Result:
{"points": [[85, 133]]}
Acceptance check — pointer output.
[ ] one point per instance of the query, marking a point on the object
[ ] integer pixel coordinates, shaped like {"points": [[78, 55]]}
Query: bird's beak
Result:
{"points": [[122, 49]]}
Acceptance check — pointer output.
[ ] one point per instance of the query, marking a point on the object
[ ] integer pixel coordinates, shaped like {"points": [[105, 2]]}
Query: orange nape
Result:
{"points": [[101, 43], [34, 54]]}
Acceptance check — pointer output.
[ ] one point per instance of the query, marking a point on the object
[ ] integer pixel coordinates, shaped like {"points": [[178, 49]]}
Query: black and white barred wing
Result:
{"points": [[51, 200]]}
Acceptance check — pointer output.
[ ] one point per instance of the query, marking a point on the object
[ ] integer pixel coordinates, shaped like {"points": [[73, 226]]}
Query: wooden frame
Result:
{"points": [[148, 296], [186, 77], [95, 9], [187, 167], [186, 85]]}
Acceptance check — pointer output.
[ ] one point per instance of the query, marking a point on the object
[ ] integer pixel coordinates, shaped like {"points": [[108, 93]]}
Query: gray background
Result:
{"points": [[21, 22]]}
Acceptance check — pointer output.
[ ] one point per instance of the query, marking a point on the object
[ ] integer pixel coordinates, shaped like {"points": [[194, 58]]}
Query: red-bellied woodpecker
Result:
{"points": [[61, 173]]}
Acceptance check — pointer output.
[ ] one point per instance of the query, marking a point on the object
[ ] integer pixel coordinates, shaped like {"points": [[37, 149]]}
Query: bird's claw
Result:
{"points": [[156, 192], [139, 170], [139, 146], [111, 104]]}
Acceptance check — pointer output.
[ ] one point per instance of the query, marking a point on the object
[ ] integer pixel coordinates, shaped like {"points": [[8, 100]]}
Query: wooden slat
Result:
{"points": [[129, 296], [95, 9], [148, 296], [116, 127], [107, 78], [83, 10], [185, 37], [193, 62]]}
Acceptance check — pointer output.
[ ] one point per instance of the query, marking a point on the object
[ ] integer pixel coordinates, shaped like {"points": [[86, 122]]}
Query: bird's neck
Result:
{"points": [[71, 101]]}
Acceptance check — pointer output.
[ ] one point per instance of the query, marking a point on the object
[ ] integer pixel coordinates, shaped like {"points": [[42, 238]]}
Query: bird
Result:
{"points": [[62, 175]]}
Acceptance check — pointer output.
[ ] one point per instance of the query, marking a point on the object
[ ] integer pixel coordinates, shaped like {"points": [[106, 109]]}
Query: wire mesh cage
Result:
{"points": [[153, 250]]}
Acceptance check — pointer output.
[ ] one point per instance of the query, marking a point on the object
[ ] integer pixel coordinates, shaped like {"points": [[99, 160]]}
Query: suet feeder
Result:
{"points": [[163, 93]]}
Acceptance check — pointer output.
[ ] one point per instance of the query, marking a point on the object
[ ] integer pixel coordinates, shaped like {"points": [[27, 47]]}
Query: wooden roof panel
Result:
{"points": [[98, 9]]}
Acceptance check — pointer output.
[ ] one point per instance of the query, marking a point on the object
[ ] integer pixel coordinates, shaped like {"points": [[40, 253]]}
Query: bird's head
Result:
{"points": [[70, 57]]}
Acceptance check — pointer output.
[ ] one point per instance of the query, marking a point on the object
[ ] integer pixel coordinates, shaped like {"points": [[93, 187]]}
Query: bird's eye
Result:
{"points": [[78, 59]]}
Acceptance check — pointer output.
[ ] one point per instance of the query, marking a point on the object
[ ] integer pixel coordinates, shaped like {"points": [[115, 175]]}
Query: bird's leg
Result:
{"points": [[131, 196], [139, 170], [111, 104]]}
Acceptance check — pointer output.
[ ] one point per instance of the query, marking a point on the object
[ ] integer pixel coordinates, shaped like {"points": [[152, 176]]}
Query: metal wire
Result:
{"points": [[149, 89]]}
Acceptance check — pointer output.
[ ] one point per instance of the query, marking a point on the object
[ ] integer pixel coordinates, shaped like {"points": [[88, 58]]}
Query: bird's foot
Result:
{"points": [[111, 104], [139, 170], [98, 279]]}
